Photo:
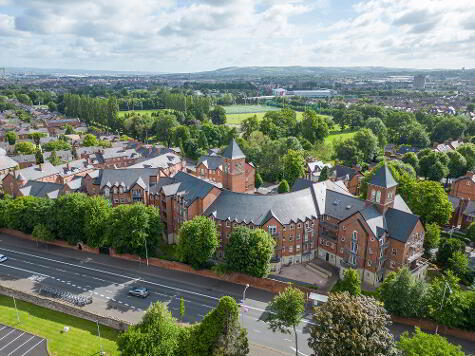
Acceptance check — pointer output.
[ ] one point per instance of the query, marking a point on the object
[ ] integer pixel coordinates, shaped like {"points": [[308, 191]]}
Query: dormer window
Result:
{"points": [[121, 190], [115, 190], [106, 192]]}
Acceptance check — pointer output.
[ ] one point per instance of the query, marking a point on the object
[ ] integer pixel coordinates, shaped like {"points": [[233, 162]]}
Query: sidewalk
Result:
{"points": [[260, 350]]}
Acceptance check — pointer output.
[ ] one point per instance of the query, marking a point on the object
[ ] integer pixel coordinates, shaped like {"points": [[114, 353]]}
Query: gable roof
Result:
{"points": [[188, 186], [162, 161], [233, 151], [211, 162], [35, 172], [42, 189], [400, 224], [7, 163], [342, 171], [126, 177], [383, 178]]}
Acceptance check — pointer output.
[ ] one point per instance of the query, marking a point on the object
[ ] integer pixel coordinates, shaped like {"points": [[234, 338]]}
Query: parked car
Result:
{"points": [[139, 292], [3, 258]]}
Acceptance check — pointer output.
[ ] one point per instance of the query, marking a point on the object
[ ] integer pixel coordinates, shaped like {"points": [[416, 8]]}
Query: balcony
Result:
{"points": [[329, 235], [347, 264], [328, 225], [414, 256]]}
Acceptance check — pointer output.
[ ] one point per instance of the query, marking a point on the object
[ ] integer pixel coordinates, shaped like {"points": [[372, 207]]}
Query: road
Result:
{"points": [[108, 279]]}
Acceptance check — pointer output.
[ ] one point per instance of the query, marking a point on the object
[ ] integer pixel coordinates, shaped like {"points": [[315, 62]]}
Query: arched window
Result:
{"points": [[378, 196], [354, 235]]}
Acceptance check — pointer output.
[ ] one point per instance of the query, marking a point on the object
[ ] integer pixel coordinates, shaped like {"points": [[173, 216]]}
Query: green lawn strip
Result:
{"points": [[238, 118], [337, 135], [245, 109], [80, 340]]}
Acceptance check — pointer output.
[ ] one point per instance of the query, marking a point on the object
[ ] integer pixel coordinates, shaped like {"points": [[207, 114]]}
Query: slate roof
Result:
{"points": [[127, 177], [163, 161], [455, 201], [211, 162], [7, 163], [74, 167], [75, 184], [341, 205], [342, 171], [383, 178], [405, 149], [233, 151], [400, 224], [42, 189], [188, 186], [34, 172], [470, 209], [257, 209]]}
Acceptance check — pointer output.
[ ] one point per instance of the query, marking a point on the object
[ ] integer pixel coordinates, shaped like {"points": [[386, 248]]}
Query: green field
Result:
{"points": [[236, 119], [122, 113], [80, 340], [335, 135], [249, 109]]}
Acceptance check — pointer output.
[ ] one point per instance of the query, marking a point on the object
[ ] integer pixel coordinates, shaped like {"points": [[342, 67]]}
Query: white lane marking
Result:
{"points": [[3, 328], [23, 333], [27, 341], [12, 330], [33, 347], [288, 340], [23, 270], [293, 349]]}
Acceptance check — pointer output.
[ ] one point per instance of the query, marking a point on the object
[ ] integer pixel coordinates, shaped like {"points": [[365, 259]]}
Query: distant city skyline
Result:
{"points": [[190, 36]]}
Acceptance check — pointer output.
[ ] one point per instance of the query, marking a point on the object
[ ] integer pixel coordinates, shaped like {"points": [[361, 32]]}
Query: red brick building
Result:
{"points": [[350, 176], [16, 180]]}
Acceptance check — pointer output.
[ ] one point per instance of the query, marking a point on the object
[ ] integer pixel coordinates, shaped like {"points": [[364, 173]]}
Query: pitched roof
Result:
{"points": [[400, 224], [35, 172], [126, 176], [42, 189], [7, 163], [383, 178], [162, 161], [342, 171], [233, 151], [211, 162], [188, 186]]}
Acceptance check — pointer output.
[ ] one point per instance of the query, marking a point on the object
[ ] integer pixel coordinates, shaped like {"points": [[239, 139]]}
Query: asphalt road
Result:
{"points": [[108, 279]]}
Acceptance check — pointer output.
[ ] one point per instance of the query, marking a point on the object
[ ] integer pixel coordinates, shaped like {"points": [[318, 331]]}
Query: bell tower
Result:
{"points": [[382, 189]]}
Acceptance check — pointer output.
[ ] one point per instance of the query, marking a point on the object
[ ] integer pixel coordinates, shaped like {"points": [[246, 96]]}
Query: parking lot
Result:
{"points": [[14, 342]]}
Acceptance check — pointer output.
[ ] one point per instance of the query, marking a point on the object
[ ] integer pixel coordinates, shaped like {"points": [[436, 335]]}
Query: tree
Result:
{"points": [[258, 181], [24, 213], [68, 219], [324, 174], [54, 159], [218, 334], [347, 152], [283, 187], [25, 148], [457, 164], [423, 344], [432, 236], [429, 200], [447, 249], [351, 326], [89, 140], [376, 125], [198, 241], [313, 127], [163, 127], [402, 294], [58, 145], [471, 232], [39, 156], [459, 264], [350, 283], [287, 309], [294, 166], [367, 143], [157, 334], [11, 137], [432, 167], [448, 128], [97, 212], [182, 308], [249, 251], [468, 151], [36, 137], [411, 158], [218, 115], [52, 106], [249, 125], [41, 232]]}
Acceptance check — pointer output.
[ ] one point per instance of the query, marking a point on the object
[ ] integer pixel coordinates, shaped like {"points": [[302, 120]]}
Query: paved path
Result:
{"points": [[108, 279], [14, 342]]}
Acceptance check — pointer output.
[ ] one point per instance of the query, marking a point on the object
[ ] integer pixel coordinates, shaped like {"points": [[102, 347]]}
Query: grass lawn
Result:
{"points": [[236, 119], [122, 113], [246, 109], [334, 135], [80, 340]]}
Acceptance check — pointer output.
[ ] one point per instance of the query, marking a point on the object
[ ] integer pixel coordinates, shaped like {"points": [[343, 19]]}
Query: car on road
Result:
{"points": [[3, 258], [139, 292]]}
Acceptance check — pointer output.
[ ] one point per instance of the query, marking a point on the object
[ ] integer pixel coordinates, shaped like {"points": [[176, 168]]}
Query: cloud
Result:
{"points": [[188, 35]]}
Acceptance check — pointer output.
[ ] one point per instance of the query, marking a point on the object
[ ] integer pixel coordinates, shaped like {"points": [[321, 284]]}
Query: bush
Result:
{"points": [[283, 187]]}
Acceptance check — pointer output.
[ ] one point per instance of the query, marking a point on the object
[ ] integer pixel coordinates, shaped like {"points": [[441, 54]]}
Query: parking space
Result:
{"points": [[14, 342]]}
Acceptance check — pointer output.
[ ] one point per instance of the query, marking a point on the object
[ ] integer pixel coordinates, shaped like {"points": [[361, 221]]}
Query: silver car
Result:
{"points": [[139, 292], [3, 258]]}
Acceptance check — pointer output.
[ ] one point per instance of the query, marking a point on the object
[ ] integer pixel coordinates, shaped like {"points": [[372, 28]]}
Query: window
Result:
{"points": [[106, 192], [390, 195], [392, 264], [283, 248], [234, 224], [468, 182], [116, 201], [228, 224], [202, 171], [355, 235], [322, 241], [291, 249], [378, 196], [284, 228], [341, 250], [394, 252], [327, 243], [291, 226], [291, 237], [352, 260], [290, 259], [313, 224], [344, 227], [122, 200], [121, 190], [298, 248], [115, 190], [343, 239], [272, 229], [298, 236], [299, 225], [369, 263]]}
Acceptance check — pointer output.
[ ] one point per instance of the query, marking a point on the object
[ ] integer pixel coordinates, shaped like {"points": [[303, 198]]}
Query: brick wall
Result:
{"points": [[57, 305]]}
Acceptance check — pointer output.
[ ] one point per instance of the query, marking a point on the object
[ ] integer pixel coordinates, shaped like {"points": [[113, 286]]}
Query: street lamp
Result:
{"points": [[243, 299], [146, 250], [100, 340], [442, 303]]}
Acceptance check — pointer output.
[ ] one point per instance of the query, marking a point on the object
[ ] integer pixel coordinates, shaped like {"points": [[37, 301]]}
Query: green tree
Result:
{"points": [[24, 213], [447, 249], [448, 128], [36, 137], [348, 153], [24, 99], [52, 106], [411, 158], [89, 140], [457, 164], [68, 220], [54, 159], [432, 167], [11, 137], [351, 326], [367, 143], [258, 181], [423, 344], [198, 241], [286, 311], [97, 212], [313, 127], [25, 148], [42, 232], [468, 151], [157, 334], [182, 308], [471, 232], [293, 166], [402, 294], [163, 127], [249, 251], [249, 125], [376, 125], [39, 156], [324, 174], [218, 115], [283, 187], [429, 200], [432, 236], [58, 145], [350, 283], [459, 264]]}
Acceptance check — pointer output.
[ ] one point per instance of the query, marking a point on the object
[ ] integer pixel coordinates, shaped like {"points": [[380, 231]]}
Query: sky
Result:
{"points": [[198, 35]]}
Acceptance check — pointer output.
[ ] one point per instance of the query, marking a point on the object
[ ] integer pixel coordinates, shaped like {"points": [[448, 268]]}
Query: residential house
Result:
{"points": [[168, 163], [7, 165], [16, 180], [464, 187], [41, 189], [314, 168], [350, 176]]}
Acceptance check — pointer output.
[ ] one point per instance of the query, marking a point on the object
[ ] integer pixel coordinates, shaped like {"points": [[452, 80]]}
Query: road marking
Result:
{"points": [[293, 349], [8, 334], [119, 302], [288, 340], [23, 333], [27, 341], [33, 347]]}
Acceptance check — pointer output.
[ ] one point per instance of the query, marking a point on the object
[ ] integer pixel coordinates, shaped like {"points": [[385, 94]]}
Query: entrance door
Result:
{"points": [[327, 257]]}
